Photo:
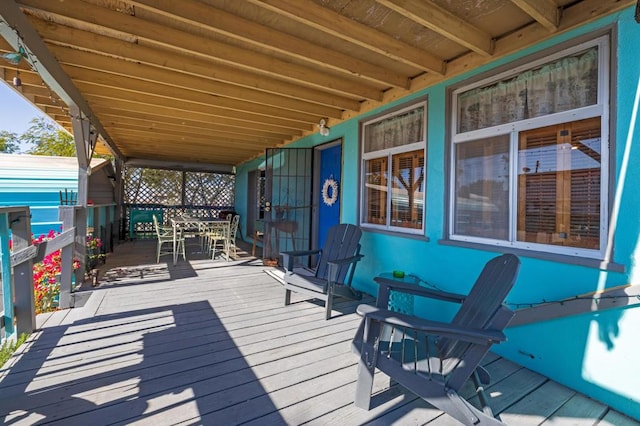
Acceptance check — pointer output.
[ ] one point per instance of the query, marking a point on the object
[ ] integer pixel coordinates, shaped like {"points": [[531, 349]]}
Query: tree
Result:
{"points": [[48, 139], [9, 142]]}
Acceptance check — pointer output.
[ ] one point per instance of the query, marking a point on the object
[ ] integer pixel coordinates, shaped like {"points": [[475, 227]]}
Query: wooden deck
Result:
{"points": [[210, 342]]}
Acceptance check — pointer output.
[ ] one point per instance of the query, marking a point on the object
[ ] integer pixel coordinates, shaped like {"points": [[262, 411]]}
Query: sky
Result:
{"points": [[15, 111]]}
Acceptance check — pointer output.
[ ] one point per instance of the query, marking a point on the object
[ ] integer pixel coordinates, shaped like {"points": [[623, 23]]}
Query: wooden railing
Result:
{"points": [[17, 288], [18, 310]]}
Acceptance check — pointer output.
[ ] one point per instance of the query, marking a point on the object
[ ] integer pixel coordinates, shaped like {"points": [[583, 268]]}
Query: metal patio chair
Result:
{"points": [[164, 234]]}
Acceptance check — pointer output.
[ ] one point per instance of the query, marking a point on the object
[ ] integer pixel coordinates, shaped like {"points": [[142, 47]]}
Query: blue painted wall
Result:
{"points": [[593, 353], [36, 182]]}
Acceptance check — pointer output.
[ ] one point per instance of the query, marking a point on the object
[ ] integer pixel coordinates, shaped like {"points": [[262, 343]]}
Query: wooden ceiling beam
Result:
{"points": [[169, 149], [314, 15], [158, 106], [47, 66], [120, 107], [229, 25], [142, 138], [182, 42], [112, 66], [169, 159], [180, 165], [200, 125], [200, 118], [199, 67], [163, 134], [546, 12], [111, 80], [443, 22], [128, 90], [172, 129], [191, 163], [189, 125]]}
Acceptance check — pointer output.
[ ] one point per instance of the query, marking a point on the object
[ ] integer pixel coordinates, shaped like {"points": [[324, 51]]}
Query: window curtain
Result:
{"points": [[398, 130], [563, 85]]}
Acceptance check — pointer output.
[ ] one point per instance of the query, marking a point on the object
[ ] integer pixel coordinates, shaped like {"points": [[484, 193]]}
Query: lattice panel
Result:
{"points": [[209, 189], [152, 186], [164, 187]]}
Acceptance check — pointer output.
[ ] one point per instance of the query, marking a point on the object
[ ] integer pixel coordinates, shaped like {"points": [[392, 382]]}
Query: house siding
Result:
{"points": [[36, 181], [593, 352]]}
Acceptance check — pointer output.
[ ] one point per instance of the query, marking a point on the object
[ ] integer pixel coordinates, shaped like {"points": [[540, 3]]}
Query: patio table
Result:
{"points": [[182, 223]]}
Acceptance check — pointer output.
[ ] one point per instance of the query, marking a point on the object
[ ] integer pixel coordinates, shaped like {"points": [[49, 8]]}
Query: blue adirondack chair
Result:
{"points": [[434, 359], [334, 272]]}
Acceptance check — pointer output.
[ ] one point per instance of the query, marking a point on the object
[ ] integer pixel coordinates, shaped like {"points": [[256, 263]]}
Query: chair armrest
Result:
{"points": [[165, 232], [387, 285], [334, 266], [289, 256], [298, 253], [430, 327]]}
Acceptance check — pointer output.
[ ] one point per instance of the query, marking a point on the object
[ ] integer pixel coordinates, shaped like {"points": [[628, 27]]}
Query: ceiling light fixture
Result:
{"points": [[17, 82], [324, 129], [15, 58]]}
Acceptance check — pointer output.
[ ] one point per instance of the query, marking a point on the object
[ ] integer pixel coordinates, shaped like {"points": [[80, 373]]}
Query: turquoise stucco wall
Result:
{"points": [[593, 352]]}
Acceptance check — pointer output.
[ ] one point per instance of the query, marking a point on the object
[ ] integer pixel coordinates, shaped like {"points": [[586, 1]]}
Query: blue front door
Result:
{"points": [[328, 198]]}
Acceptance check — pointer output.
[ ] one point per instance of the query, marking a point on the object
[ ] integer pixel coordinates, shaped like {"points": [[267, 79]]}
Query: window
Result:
{"points": [[530, 158], [394, 180]]}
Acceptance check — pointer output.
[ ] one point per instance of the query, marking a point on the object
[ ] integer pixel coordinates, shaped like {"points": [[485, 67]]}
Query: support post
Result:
{"points": [[24, 304], [118, 209], [67, 216], [72, 217], [80, 249], [7, 287], [85, 137]]}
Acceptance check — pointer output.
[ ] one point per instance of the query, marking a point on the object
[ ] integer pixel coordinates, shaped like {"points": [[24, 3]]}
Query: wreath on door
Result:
{"points": [[330, 191]]}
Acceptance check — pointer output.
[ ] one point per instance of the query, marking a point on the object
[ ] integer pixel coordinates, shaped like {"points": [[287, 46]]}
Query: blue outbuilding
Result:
{"points": [[44, 183]]}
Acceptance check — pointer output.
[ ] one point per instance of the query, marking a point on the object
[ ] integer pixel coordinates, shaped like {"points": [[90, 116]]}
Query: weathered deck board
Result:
{"points": [[579, 411], [210, 342]]}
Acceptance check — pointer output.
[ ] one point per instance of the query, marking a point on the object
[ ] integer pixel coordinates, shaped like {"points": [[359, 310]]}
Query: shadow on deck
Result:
{"points": [[210, 342]]}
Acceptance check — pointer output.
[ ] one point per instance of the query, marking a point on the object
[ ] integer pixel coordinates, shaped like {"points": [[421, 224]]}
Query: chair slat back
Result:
{"points": [[233, 227], [481, 305], [156, 226], [343, 241]]}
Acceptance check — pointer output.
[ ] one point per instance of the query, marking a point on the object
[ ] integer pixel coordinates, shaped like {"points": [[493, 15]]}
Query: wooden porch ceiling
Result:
{"points": [[218, 81]]}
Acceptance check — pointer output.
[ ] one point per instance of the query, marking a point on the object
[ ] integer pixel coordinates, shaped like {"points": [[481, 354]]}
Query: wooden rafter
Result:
{"points": [[182, 43], [227, 24], [439, 20], [204, 81], [313, 15], [546, 12], [117, 88], [48, 67], [153, 56], [112, 67]]}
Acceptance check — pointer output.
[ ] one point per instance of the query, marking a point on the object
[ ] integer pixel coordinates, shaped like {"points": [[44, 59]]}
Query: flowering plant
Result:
{"points": [[45, 273], [93, 243], [45, 282], [93, 252]]}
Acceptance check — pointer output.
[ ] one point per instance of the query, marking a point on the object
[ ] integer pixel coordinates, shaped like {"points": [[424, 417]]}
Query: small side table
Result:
{"points": [[398, 301]]}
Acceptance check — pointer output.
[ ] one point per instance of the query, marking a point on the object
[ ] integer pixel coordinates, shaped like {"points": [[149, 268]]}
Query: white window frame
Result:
{"points": [[600, 109], [389, 153]]}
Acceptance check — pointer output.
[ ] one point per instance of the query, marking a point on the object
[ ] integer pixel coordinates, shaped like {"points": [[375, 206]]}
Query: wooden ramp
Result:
{"points": [[210, 342]]}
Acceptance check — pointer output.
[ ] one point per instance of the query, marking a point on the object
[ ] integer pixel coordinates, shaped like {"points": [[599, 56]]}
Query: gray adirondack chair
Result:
{"points": [[434, 359], [334, 271]]}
